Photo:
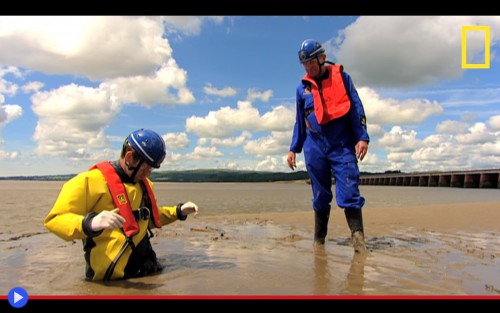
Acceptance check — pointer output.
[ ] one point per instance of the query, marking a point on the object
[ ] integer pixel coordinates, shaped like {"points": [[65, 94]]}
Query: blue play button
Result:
{"points": [[18, 297]]}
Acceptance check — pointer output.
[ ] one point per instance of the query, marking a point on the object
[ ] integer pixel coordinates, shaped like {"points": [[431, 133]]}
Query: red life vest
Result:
{"points": [[333, 101], [120, 197]]}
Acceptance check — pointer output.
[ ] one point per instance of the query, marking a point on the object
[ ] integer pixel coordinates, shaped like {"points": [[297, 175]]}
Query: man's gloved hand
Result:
{"points": [[188, 208], [107, 219]]}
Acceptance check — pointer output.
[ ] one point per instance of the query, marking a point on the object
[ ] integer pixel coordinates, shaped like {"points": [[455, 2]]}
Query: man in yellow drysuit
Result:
{"points": [[112, 208]]}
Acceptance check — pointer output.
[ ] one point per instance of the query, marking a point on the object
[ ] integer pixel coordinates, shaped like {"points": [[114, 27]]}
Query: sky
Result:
{"points": [[221, 89]]}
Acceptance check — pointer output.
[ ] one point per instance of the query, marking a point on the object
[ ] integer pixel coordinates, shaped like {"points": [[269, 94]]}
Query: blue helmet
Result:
{"points": [[309, 49], [149, 145]]}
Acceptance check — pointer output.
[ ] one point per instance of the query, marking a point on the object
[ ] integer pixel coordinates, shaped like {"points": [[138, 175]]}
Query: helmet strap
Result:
{"points": [[135, 168], [320, 64], [320, 74]]}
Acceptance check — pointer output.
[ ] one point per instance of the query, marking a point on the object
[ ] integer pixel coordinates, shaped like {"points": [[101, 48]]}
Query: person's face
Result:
{"points": [[312, 66], [144, 170]]}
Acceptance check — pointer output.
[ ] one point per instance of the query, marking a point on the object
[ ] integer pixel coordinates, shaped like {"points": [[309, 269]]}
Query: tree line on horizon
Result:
{"points": [[200, 175]]}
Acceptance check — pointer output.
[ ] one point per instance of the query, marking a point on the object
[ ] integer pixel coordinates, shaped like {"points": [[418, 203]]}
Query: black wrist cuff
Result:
{"points": [[180, 216], [87, 229]]}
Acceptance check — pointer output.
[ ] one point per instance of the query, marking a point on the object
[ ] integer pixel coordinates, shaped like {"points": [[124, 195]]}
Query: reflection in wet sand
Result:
{"points": [[356, 274], [322, 275], [354, 280]]}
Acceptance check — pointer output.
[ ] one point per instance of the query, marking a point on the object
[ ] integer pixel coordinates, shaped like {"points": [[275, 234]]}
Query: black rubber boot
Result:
{"points": [[320, 227], [355, 221]]}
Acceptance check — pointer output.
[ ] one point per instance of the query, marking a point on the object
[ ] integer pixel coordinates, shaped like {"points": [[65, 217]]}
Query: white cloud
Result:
{"points": [[232, 141], [154, 89], [391, 111], [478, 133], [96, 47], [270, 164], [32, 87], [280, 118], [452, 127], [494, 122], [254, 94], [399, 160], [444, 151], [9, 112], [128, 53], [232, 165], [204, 154], [8, 155], [176, 140], [374, 130], [224, 92], [399, 140], [402, 51], [72, 120], [268, 145], [227, 120], [189, 25], [491, 149], [6, 86], [436, 140]]}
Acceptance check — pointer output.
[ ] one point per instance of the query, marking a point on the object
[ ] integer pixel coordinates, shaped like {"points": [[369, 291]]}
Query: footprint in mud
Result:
{"points": [[384, 242], [492, 289]]}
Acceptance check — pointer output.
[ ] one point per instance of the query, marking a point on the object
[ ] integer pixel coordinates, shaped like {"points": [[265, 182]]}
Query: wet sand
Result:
{"points": [[422, 250]]}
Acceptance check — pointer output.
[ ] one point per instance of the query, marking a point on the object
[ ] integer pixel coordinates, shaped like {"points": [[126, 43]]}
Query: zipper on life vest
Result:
{"points": [[320, 91], [112, 266]]}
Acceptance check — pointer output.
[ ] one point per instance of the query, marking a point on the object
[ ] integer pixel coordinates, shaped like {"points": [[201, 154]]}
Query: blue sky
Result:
{"points": [[221, 89]]}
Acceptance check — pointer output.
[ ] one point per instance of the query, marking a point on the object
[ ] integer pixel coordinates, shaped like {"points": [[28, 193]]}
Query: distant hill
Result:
{"points": [[211, 175], [41, 177], [200, 175]]}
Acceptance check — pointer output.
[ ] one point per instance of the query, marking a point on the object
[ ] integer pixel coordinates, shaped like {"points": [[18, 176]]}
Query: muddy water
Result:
{"points": [[256, 239]]}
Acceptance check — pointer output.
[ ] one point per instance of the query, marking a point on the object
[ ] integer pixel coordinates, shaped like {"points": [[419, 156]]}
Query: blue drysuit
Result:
{"points": [[330, 149]]}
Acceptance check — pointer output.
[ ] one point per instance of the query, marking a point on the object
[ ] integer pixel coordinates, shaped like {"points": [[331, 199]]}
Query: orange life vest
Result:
{"points": [[120, 197], [333, 101]]}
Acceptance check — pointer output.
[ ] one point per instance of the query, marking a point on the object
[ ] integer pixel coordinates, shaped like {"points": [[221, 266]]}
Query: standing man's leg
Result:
{"points": [[355, 221], [349, 198], [321, 182]]}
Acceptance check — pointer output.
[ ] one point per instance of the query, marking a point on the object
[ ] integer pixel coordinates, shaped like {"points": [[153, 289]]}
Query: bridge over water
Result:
{"points": [[483, 178]]}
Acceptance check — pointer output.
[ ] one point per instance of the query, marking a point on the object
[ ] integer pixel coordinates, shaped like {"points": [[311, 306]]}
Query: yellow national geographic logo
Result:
{"points": [[486, 30], [121, 199]]}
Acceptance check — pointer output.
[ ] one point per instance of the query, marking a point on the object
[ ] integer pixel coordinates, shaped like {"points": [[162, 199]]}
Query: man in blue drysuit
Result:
{"points": [[330, 127]]}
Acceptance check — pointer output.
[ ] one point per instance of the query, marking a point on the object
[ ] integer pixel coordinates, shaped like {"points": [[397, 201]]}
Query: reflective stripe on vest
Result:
{"points": [[120, 197], [333, 101]]}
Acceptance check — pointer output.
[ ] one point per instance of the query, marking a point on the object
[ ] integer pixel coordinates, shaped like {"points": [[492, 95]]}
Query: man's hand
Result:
{"points": [[107, 220], [361, 149], [291, 160], [188, 208]]}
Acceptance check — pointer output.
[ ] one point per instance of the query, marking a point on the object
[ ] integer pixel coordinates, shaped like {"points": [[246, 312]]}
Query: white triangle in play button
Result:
{"points": [[17, 297]]}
